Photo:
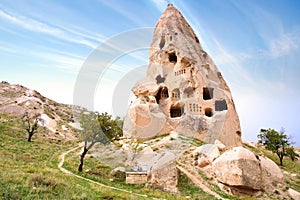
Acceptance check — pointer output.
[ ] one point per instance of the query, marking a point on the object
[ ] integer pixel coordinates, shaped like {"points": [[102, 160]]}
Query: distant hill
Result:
{"points": [[16, 99]]}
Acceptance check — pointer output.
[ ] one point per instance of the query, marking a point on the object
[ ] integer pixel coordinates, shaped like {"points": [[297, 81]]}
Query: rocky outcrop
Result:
{"points": [[247, 173], [183, 90], [294, 194], [16, 99], [206, 154], [165, 177], [161, 168]]}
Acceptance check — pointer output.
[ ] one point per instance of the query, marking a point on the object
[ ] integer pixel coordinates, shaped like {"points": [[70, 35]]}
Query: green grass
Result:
{"points": [[28, 170], [100, 172], [189, 189]]}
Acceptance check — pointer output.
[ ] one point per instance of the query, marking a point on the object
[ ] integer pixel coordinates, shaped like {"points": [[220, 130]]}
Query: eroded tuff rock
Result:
{"points": [[246, 173], [183, 90]]}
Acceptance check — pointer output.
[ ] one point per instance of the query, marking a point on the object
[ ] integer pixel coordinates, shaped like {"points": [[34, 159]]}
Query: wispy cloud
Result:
{"points": [[41, 27], [231, 64], [160, 4], [119, 9], [59, 59], [284, 45], [277, 41]]}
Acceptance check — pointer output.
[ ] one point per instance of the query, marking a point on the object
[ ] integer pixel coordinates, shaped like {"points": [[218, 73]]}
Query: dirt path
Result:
{"points": [[61, 168], [197, 181]]}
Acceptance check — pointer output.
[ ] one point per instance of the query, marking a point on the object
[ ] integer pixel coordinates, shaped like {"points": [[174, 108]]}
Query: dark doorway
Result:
{"points": [[172, 57], [176, 111], [208, 112], [208, 93], [162, 94]]}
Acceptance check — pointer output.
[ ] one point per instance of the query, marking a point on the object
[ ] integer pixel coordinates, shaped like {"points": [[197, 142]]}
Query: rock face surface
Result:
{"points": [[246, 173], [206, 154], [161, 168], [183, 90]]}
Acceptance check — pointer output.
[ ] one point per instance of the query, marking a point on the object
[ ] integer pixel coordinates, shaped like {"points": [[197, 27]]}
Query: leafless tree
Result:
{"points": [[31, 123]]}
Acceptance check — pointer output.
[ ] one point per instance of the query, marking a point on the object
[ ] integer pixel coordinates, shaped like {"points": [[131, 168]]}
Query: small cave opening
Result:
{"points": [[208, 112], [160, 79], [176, 111], [221, 105], [162, 42], [172, 57], [239, 133], [208, 93], [162, 94]]}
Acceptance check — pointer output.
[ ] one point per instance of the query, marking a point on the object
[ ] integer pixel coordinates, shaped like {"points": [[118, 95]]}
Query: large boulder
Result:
{"points": [[247, 173], [164, 176], [161, 168], [238, 167], [272, 176]]}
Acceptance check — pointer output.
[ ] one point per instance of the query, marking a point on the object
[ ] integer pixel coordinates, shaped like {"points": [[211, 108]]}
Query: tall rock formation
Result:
{"points": [[183, 90]]}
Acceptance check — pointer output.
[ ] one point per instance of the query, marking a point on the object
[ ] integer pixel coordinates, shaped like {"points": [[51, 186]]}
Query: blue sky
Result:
{"points": [[255, 44]]}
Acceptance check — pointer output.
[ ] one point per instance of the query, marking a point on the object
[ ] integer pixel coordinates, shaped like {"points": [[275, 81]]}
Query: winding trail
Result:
{"points": [[61, 168]]}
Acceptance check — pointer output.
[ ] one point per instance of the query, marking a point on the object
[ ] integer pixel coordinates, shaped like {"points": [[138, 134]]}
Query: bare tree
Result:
{"points": [[31, 123]]}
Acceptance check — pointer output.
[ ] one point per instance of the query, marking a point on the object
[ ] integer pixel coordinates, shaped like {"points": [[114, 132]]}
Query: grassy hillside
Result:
{"points": [[29, 171], [15, 100]]}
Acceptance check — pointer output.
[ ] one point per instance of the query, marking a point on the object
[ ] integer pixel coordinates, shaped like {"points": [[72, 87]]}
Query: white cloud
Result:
{"points": [[285, 44], [37, 26]]}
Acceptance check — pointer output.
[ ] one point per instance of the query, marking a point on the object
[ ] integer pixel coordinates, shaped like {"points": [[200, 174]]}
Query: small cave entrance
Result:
{"points": [[176, 111], [208, 93], [160, 79], [162, 42], [208, 112], [162, 94], [172, 57]]}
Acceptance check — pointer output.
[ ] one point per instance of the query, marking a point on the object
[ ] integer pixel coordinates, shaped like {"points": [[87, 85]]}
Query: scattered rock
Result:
{"points": [[294, 194], [118, 173], [294, 175], [203, 161], [173, 135], [206, 154], [220, 145], [164, 176]]}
